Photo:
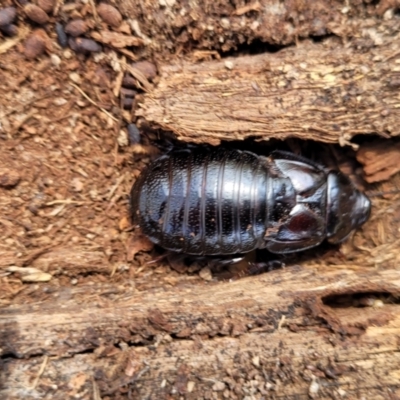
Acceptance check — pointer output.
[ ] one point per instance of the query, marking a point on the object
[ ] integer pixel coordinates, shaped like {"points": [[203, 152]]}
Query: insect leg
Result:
{"points": [[256, 268]]}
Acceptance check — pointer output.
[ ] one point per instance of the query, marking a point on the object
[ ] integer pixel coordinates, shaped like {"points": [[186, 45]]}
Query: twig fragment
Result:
{"points": [[93, 102]]}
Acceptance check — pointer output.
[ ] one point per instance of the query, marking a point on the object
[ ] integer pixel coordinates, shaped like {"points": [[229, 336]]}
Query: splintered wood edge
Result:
{"points": [[63, 321], [324, 92], [210, 332]]}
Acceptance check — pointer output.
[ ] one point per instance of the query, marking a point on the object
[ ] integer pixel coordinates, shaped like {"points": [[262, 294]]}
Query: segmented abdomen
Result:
{"points": [[204, 201]]}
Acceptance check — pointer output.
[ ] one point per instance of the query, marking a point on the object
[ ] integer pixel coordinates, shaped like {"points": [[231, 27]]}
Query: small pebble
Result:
{"points": [[229, 65], [205, 273], [225, 23], [36, 14], [62, 37], [60, 101], [55, 60], [75, 77], [269, 386], [122, 138], [190, 386], [218, 386], [67, 54], [77, 185], [314, 388], [256, 361]]}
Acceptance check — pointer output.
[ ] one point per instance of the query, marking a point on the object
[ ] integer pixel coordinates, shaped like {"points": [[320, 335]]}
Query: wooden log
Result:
{"points": [[290, 333], [327, 92]]}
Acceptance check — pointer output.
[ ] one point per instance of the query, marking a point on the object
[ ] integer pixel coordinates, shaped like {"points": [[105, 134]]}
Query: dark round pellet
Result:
{"points": [[127, 103], [9, 30], [133, 134], [62, 37], [128, 92], [36, 14], [147, 68], [84, 46], [76, 27], [129, 81], [7, 16]]}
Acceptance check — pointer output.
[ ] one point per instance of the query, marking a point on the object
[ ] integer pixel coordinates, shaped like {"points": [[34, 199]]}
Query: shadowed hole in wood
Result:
{"points": [[360, 299], [255, 47]]}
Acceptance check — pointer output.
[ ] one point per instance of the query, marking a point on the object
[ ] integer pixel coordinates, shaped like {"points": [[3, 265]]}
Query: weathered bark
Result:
{"points": [[175, 26], [283, 334], [328, 92]]}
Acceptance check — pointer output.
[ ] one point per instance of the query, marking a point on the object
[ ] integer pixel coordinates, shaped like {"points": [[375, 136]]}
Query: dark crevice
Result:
{"points": [[89, 350], [322, 38], [360, 299], [12, 355], [9, 355], [255, 47]]}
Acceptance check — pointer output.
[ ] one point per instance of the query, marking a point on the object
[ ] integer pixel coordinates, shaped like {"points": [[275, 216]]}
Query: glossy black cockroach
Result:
{"points": [[213, 201]]}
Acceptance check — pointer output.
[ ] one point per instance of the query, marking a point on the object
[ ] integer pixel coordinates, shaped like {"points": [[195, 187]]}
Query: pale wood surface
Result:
{"points": [[328, 92], [271, 332]]}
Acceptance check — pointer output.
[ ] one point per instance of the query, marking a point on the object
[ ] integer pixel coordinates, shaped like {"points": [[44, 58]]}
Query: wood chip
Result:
{"points": [[136, 243], [115, 39], [205, 273], [30, 274], [380, 160]]}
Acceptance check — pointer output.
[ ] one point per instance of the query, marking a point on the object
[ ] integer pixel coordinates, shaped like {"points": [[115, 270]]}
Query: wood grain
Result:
{"points": [[266, 334], [327, 92]]}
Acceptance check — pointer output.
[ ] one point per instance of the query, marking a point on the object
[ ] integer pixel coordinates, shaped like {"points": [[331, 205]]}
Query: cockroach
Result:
{"points": [[213, 201]]}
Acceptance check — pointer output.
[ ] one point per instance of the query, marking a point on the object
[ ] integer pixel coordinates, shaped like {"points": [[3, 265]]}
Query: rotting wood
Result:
{"points": [[217, 332], [327, 92], [169, 27], [380, 160], [61, 258], [194, 368]]}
